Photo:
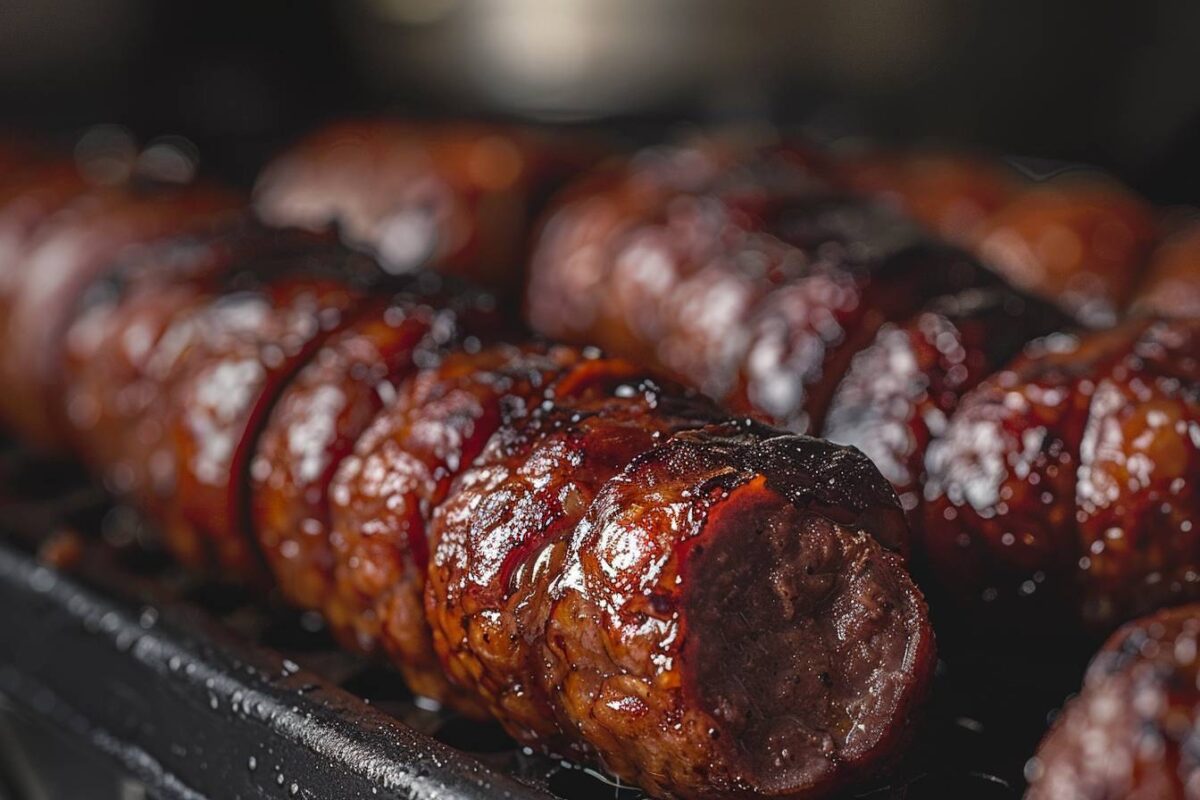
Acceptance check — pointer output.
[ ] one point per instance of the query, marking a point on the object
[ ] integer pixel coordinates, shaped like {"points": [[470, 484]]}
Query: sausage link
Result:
{"points": [[1130, 731], [902, 388], [1171, 286], [1078, 242], [323, 411], [520, 500], [454, 198], [1070, 477], [402, 467], [728, 618], [245, 347], [63, 258]]}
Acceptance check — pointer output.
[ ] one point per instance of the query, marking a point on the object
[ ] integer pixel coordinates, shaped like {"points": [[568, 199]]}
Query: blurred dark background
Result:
{"points": [[1110, 84]]}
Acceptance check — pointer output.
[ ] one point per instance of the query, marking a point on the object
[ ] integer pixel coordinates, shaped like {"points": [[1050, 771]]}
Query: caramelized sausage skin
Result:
{"points": [[452, 197], [1128, 732], [247, 345], [323, 411], [1068, 480], [902, 388], [401, 470], [59, 262]]}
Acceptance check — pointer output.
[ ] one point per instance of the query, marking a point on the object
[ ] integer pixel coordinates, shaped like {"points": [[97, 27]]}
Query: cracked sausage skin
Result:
{"points": [[780, 543], [526, 490], [1068, 480], [401, 470], [326, 407], [1130, 731]]}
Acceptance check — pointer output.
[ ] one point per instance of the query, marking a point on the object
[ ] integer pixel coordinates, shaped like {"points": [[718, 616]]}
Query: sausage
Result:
{"points": [[760, 303], [1129, 733], [951, 194], [613, 241], [1171, 286], [1079, 242], [58, 264], [901, 389], [1069, 478], [246, 346], [113, 365], [650, 630], [453, 197], [323, 411], [525, 492], [400, 471]]}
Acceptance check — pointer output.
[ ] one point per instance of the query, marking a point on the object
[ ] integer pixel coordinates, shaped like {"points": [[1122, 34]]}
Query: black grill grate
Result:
{"points": [[202, 690]]}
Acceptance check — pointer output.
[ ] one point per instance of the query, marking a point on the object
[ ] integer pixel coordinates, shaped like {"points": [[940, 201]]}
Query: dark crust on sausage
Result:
{"points": [[902, 388], [1065, 480], [1130, 732], [713, 552], [402, 467], [514, 509]]}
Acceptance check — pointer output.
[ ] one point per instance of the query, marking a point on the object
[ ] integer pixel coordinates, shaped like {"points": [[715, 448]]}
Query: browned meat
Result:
{"points": [[401, 470], [1079, 242], [112, 365], [528, 488], [657, 627], [1130, 733], [235, 357], [1171, 286], [950, 194], [617, 240], [902, 388], [1071, 477], [324, 410], [756, 291], [457, 198], [58, 263]]}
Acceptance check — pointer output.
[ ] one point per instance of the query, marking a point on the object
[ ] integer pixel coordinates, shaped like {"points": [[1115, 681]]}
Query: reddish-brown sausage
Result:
{"points": [[950, 194], [63, 258], [1130, 733], [455, 198], [1071, 476], [401, 470], [902, 388], [1171, 286], [246, 345], [324, 410], [1079, 242]]}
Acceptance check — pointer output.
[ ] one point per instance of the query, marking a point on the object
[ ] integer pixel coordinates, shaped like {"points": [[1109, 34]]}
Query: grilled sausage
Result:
{"points": [[219, 396], [1171, 286], [1130, 732], [1079, 242], [1071, 477], [901, 389], [113, 366], [455, 198], [323, 411], [58, 263], [401, 470], [951, 194]]}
